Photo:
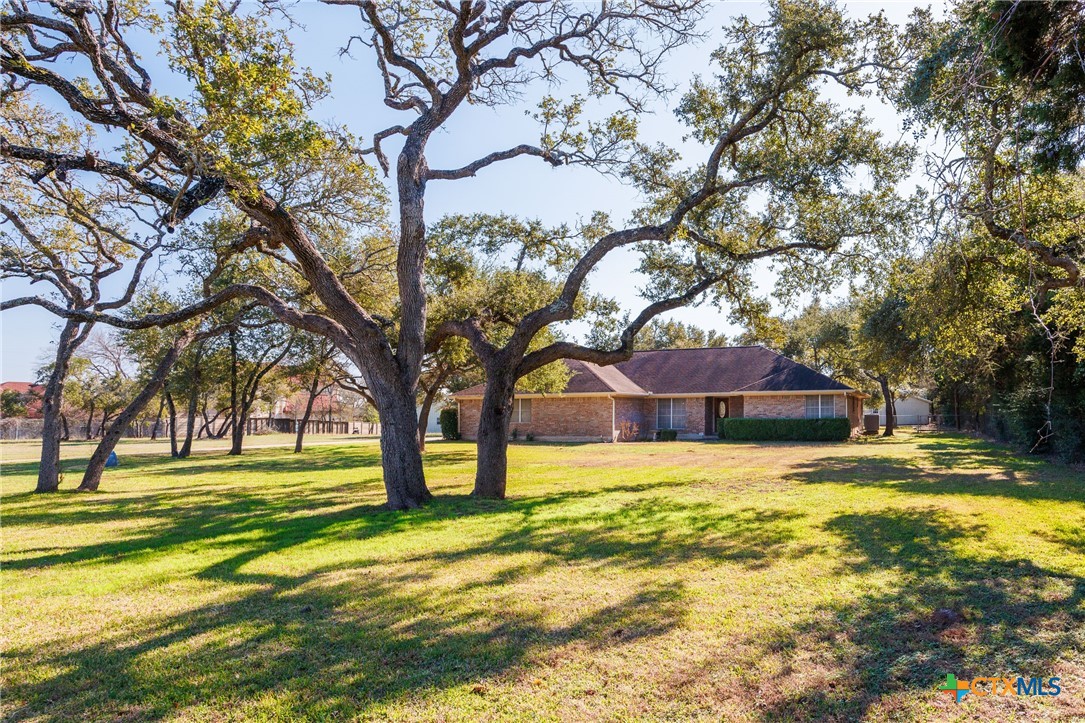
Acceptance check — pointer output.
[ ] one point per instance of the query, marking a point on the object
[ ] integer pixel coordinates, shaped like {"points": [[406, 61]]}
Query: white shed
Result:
{"points": [[911, 409]]}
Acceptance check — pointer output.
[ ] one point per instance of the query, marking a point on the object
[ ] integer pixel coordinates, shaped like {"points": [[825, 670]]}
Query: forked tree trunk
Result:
{"points": [[52, 399], [65, 434], [93, 475], [491, 474]]}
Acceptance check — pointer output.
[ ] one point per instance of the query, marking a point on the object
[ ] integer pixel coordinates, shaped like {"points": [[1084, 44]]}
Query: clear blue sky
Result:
{"points": [[527, 187]]}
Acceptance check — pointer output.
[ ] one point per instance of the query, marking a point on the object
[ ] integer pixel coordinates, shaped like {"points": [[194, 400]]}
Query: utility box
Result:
{"points": [[870, 424]]}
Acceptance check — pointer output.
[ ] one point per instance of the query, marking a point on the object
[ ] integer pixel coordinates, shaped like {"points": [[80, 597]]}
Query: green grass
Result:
{"points": [[639, 581]]}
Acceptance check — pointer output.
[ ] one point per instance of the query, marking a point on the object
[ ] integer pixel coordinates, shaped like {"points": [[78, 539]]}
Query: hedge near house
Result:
{"points": [[785, 430], [449, 421]]}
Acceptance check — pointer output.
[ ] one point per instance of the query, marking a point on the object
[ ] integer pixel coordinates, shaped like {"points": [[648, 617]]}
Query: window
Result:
{"points": [[670, 414], [521, 411], [820, 406]]}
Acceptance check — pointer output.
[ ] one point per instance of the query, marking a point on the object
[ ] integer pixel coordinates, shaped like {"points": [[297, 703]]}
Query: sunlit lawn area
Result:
{"points": [[639, 581]]}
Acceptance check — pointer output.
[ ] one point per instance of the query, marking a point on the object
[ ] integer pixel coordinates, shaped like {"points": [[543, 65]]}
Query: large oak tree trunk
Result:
{"points": [[93, 475], [52, 427], [404, 480], [495, 416]]}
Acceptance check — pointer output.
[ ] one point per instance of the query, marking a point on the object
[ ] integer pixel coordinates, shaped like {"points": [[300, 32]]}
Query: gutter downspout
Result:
{"points": [[613, 420]]}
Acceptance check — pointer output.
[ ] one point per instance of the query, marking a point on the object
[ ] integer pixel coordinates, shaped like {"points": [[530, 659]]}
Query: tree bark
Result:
{"points": [[404, 480], [427, 405], [93, 475], [190, 416], [158, 419], [65, 434], [173, 424], [52, 399], [308, 411], [491, 473], [237, 434], [90, 419], [890, 407]]}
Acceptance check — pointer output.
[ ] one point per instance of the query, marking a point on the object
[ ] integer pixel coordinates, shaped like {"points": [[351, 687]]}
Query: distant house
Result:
{"points": [[29, 394], [911, 409], [687, 390]]}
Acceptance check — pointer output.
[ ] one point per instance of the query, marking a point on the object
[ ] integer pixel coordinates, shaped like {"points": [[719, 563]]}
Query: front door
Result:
{"points": [[715, 408]]}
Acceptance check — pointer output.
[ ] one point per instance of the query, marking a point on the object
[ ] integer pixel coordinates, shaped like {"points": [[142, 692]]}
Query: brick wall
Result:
{"points": [[793, 406], [632, 411], [551, 418], [775, 406], [590, 417], [855, 412]]}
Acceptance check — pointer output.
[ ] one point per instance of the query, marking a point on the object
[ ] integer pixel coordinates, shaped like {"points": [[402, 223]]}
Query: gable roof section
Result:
{"points": [[719, 370], [723, 370]]}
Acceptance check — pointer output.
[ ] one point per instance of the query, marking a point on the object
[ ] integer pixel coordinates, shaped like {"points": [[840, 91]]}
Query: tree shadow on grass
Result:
{"points": [[947, 612], [345, 638], [1016, 481]]}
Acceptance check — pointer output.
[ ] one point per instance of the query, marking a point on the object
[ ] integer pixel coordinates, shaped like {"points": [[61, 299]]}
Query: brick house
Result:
{"points": [[30, 394], [683, 389]]}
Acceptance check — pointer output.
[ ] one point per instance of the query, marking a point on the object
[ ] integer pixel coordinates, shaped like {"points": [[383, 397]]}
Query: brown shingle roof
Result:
{"points": [[719, 370]]}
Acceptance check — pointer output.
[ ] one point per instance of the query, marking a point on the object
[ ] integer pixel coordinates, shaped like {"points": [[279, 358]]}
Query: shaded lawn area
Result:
{"points": [[637, 581]]}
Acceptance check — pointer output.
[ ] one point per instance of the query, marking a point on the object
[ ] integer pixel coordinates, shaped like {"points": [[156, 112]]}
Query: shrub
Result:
{"points": [[515, 433], [668, 435], [450, 423], [529, 437], [798, 430]]}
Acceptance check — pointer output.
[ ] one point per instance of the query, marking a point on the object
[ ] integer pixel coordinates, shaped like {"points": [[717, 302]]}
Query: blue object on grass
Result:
{"points": [[112, 460]]}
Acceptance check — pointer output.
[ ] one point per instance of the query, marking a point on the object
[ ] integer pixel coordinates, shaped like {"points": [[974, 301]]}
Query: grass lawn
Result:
{"points": [[638, 581]]}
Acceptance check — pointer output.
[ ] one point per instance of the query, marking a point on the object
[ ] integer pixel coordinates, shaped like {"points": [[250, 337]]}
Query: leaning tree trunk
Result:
{"points": [[93, 476], [53, 397], [427, 405], [491, 473], [890, 407], [308, 411]]}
